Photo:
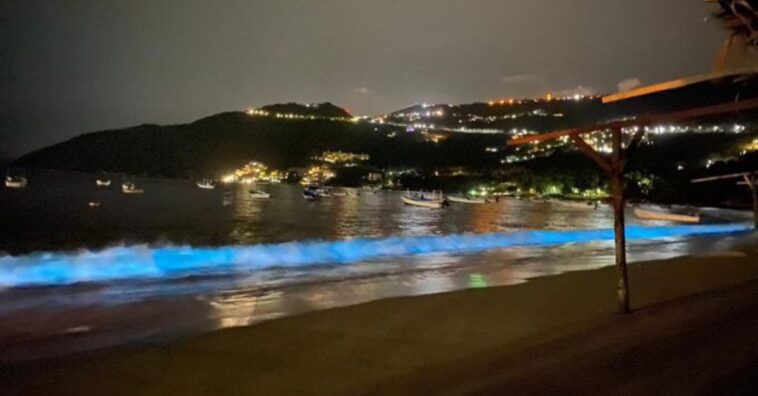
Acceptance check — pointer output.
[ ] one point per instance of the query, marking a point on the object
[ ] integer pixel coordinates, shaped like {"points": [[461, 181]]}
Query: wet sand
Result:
{"points": [[693, 332]]}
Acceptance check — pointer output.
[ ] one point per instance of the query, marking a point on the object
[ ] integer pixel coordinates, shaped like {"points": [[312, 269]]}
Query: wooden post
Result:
{"points": [[614, 167], [617, 188], [752, 182]]}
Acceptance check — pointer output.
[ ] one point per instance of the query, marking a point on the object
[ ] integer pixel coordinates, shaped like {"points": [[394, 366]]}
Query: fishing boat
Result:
{"points": [[131, 188], [435, 200], [679, 218], [206, 184], [103, 182], [467, 200], [258, 194]]}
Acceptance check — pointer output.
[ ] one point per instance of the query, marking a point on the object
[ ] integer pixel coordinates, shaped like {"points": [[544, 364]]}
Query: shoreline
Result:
{"points": [[440, 342]]}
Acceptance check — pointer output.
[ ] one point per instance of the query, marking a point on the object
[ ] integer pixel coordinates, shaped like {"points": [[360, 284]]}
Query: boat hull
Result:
{"points": [[432, 204], [16, 183], [648, 215], [259, 195], [462, 200]]}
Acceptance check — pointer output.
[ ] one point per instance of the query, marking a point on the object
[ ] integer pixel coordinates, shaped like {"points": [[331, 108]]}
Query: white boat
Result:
{"points": [[94, 204], [16, 182], [103, 182], [131, 188], [435, 201], [650, 215], [258, 194], [467, 200], [206, 184]]}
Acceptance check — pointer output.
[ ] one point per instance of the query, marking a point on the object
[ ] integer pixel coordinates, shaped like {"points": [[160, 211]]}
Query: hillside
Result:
{"points": [[219, 143]]}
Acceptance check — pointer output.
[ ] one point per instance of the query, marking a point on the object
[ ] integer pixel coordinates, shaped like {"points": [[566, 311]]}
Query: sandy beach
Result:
{"points": [[692, 332]]}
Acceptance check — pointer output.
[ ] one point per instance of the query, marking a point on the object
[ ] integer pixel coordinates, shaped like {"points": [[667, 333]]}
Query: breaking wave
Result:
{"points": [[149, 262]]}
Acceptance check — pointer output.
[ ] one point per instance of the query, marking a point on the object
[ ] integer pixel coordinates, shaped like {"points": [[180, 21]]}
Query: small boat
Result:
{"points": [[206, 184], [16, 182], [434, 201], [16, 179], [103, 182], [313, 192], [650, 215], [467, 200], [340, 193], [131, 188], [258, 194], [94, 204]]}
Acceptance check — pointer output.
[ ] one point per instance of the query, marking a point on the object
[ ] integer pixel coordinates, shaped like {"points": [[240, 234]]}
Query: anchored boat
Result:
{"points": [[650, 215], [435, 200], [16, 180], [258, 194], [467, 200], [314, 193], [128, 187], [206, 184]]}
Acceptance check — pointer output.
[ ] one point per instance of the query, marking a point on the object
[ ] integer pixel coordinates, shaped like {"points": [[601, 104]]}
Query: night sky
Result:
{"points": [[69, 67]]}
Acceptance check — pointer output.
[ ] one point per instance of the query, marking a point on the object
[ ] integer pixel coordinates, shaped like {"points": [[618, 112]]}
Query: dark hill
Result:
{"points": [[219, 143]]}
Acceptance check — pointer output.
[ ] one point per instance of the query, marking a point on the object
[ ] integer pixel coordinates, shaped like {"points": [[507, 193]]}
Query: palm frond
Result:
{"points": [[740, 17]]}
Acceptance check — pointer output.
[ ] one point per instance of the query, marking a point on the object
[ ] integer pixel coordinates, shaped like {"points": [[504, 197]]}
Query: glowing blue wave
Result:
{"points": [[133, 262]]}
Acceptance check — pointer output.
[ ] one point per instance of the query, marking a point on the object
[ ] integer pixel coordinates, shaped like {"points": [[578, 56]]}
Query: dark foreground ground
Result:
{"points": [[694, 331]]}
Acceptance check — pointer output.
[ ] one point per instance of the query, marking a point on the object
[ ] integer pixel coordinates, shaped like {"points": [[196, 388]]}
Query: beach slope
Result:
{"points": [[693, 332]]}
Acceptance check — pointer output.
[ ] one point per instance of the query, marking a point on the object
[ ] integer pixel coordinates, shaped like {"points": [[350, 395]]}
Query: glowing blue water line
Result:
{"points": [[137, 262]]}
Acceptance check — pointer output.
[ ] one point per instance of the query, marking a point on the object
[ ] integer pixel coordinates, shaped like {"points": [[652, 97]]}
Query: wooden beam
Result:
{"points": [[721, 177], [584, 147], [643, 121], [678, 83], [635, 142]]}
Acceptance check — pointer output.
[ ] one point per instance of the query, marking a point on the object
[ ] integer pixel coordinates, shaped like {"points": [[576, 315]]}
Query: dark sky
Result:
{"points": [[68, 67]]}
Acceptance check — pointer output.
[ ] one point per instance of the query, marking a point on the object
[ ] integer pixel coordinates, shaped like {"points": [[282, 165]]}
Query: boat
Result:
{"points": [[206, 184], [103, 182], [314, 192], [310, 193], [16, 182], [341, 193], [258, 194], [467, 200], [131, 188], [679, 218], [94, 204], [435, 201], [16, 179]]}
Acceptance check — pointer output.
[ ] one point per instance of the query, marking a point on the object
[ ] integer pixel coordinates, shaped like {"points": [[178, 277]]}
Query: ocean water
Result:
{"points": [[178, 259]]}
